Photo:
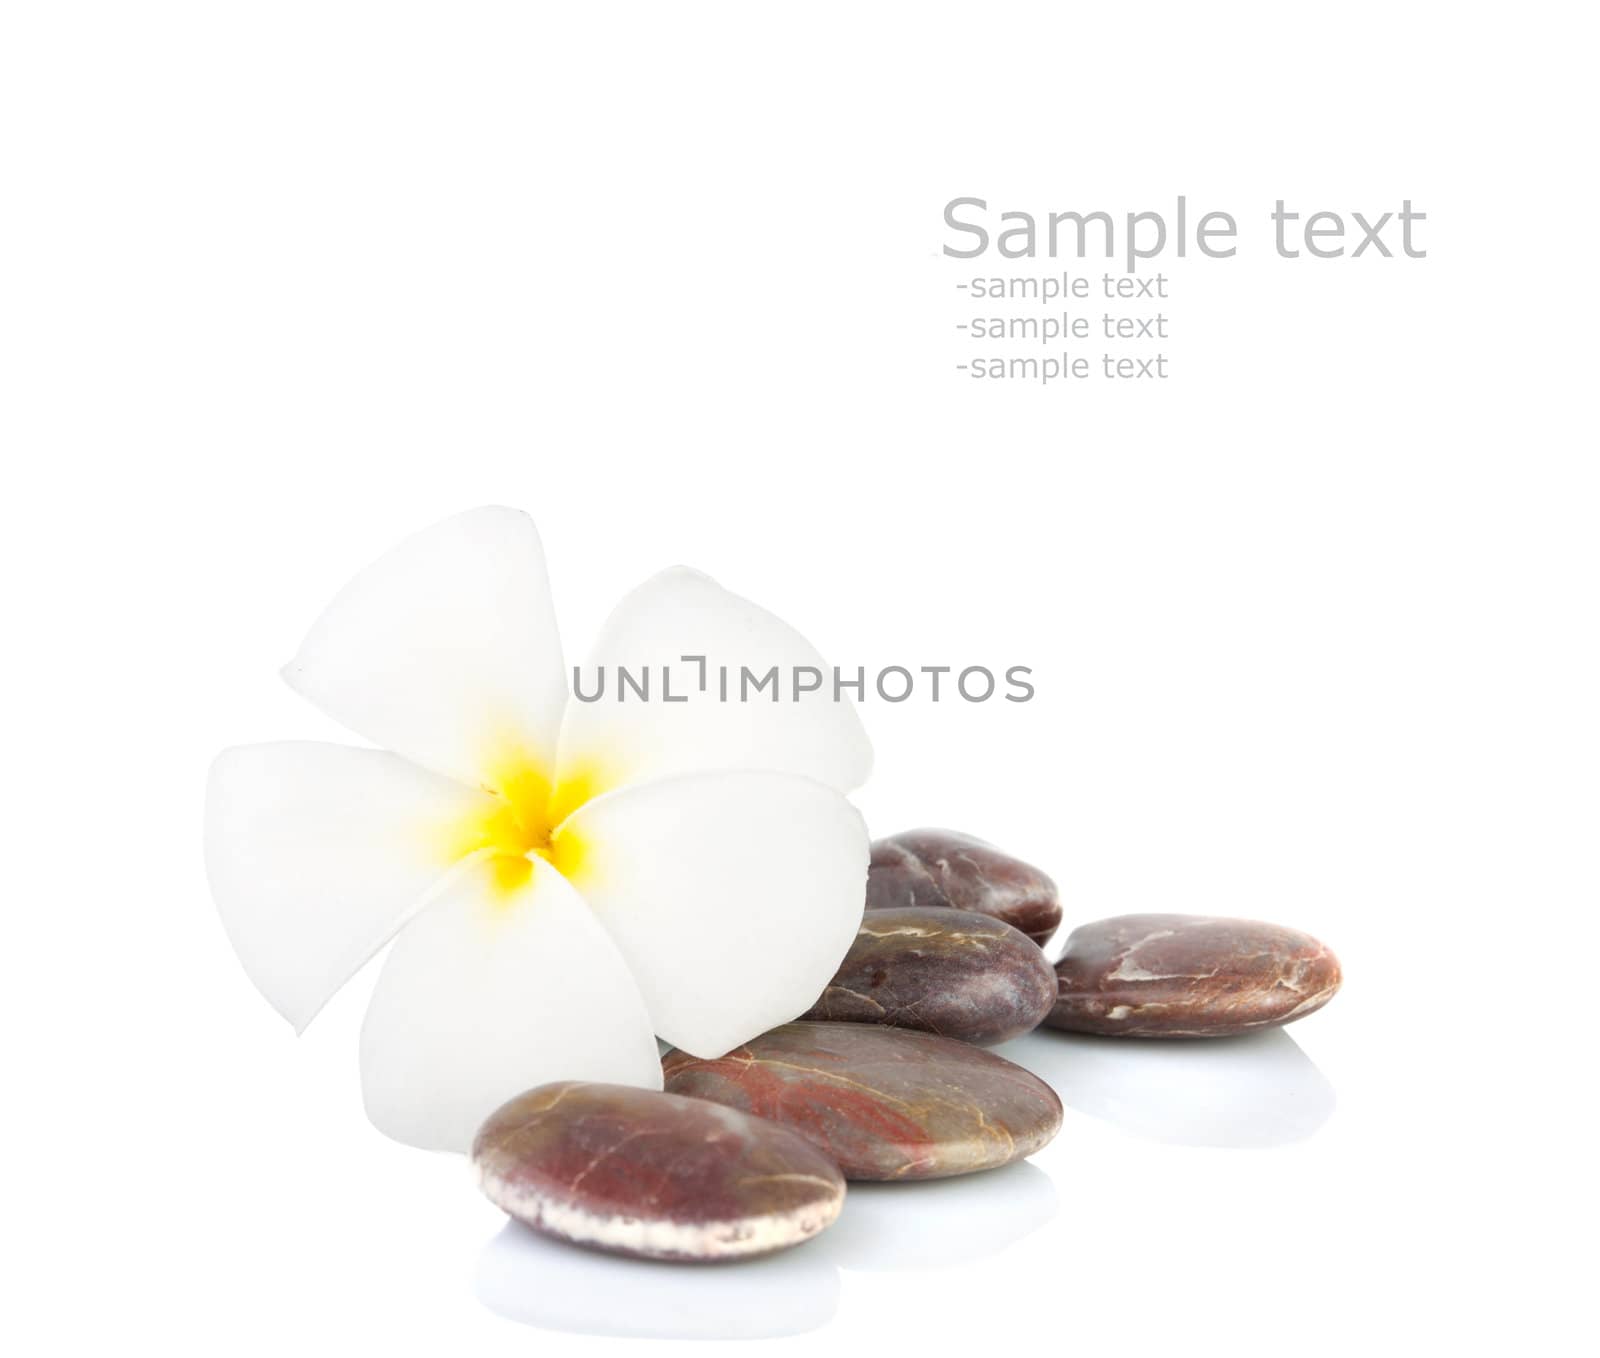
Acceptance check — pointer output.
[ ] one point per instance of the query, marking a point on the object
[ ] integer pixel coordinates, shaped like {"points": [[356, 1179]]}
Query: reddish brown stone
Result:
{"points": [[943, 868], [1188, 976], [653, 1175], [951, 972], [883, 1103]]}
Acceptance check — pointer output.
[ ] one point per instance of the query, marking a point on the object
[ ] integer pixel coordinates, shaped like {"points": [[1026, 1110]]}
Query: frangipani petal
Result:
{"points": [[445, 650], [733, 896], [318, 853], [506, 982], [620, 739]]}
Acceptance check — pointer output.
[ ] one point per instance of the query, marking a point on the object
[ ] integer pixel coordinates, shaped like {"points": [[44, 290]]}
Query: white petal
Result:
{"points": [[318, 853], [733, 896], [623, 739], [490, 992], [446, 651]]}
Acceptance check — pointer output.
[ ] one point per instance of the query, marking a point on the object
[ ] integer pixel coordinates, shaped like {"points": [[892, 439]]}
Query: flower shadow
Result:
{"points": [[1250, 1091], [533, 1280]]}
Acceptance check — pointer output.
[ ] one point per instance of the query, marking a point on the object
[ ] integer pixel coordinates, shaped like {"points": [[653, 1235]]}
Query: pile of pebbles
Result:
{"points": [[885, 1077]]}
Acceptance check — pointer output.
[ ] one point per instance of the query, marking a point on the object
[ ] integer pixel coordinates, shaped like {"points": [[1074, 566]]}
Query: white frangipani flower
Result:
{"points": [[566, 880]]}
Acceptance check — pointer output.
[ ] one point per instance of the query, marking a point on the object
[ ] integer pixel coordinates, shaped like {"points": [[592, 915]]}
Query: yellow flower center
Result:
{"points": [[526, 823]]}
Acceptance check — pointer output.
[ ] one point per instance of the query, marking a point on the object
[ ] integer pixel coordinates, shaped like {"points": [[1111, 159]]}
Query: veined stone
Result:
{"points": [[951, 972], [943, 868], [1189, 976], [654, 1175], [882, 1103]]}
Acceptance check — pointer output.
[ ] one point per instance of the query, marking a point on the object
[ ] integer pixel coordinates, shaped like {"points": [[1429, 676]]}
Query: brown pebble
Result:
{"points": [[654, 1175], [883, 1103], [956, 871], [1188, 976], [951, 972]]}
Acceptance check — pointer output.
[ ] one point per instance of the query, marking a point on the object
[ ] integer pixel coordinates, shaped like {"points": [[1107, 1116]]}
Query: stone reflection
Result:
{"points": [[1251, 1091], [534, 1281], [938, 1222], [932, 1224]]}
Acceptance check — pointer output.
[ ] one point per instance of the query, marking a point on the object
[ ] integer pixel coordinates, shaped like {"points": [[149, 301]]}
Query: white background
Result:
{"points": [[1313, 623]]}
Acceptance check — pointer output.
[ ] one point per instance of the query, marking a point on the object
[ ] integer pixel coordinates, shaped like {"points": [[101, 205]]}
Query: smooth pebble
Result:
{"points": [[883, 1103], [951, 972], [956, 871], [1188, 976], [653, 1175]]}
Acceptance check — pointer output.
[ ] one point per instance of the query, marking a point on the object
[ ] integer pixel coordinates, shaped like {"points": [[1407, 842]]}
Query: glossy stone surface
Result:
{"points": [[951, 972], [1188, 976], [956, 871], [883, 1103], [654, 1175]]}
